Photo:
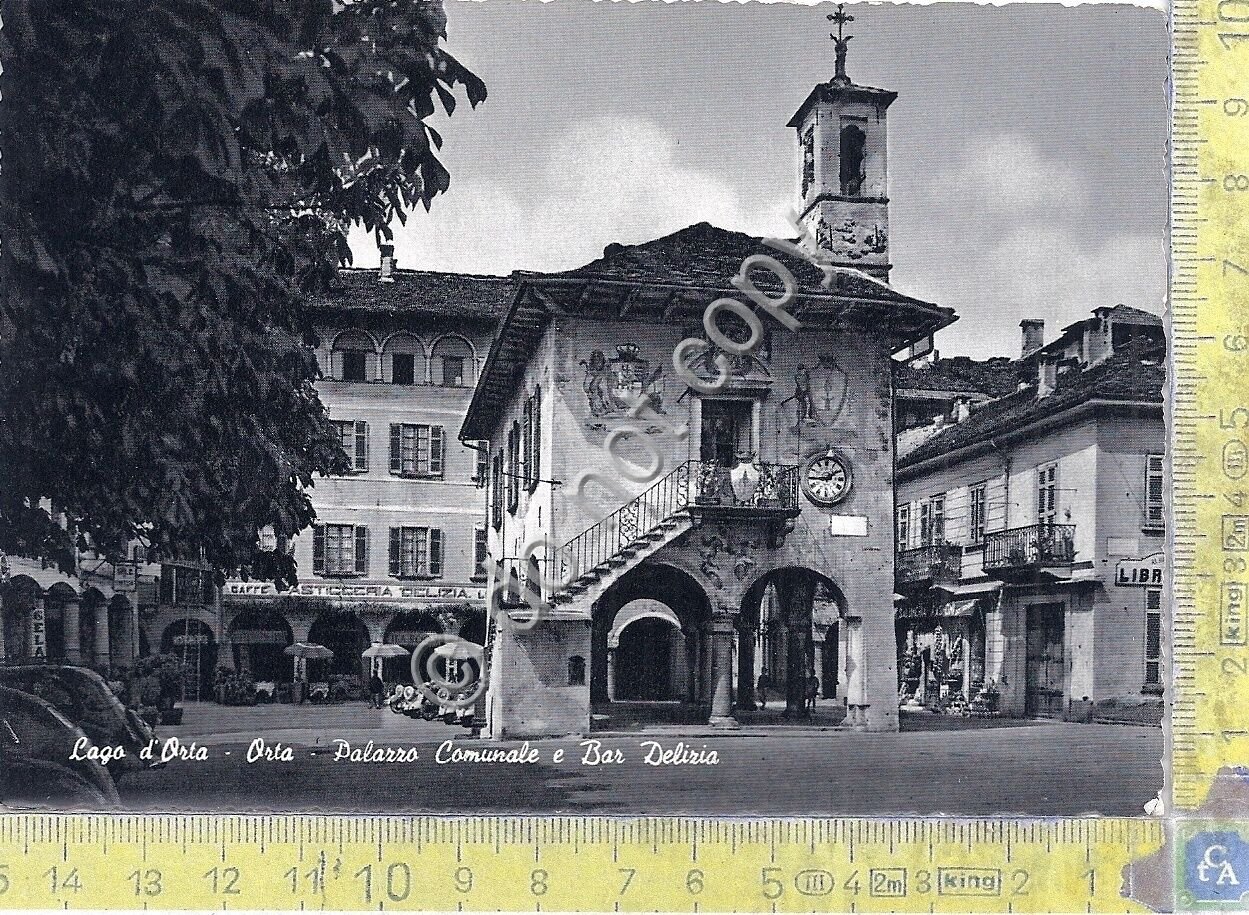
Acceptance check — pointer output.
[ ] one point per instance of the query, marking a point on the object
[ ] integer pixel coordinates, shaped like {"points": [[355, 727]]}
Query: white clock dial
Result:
{"points": [[826, 478]]}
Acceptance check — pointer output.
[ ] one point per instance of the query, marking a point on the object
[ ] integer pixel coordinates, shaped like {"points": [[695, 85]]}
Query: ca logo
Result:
{"points": [[1215, 868]]}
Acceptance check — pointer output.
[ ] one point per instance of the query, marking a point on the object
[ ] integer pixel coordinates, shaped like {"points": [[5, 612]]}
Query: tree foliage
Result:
{"points": [[178, 177]]}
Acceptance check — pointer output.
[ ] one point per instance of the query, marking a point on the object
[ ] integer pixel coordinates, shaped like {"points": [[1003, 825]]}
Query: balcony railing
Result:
{"points": [[1029, 547], [934, 562]]}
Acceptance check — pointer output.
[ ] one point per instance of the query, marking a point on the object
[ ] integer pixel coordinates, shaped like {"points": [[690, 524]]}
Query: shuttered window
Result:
{"points": [[533, 441], [416, 450], [354, 437], [496, 491], [481, 552], [340, 549], [903, 530], [513, 468], [1153, 637], [977, 503], [1155, 487], [1047, 494], [416, 552]]}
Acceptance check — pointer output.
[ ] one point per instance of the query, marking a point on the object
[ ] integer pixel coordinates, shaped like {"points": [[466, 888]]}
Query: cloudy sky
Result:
{"points": [[1026, 147]]}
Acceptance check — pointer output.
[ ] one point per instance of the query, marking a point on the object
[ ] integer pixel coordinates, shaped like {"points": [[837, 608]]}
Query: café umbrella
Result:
{"points": [[302, 652], [377, 653]]}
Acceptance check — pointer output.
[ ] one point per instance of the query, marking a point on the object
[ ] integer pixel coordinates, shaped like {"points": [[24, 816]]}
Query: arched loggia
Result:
{"points": [[781, 604], [672, 609]]}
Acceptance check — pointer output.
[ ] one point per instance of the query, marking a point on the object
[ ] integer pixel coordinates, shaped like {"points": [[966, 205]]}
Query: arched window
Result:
{"points": [[353, 357], [853, 146], [576, 670], [454, 365], [403, 360]]}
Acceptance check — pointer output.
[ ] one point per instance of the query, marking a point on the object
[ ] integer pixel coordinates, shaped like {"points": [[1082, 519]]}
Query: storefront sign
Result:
{"points": [[199, 639], [1140, 573], [125, 577], [951, 610], [260, 637], [380, 591], [404, 637], [38, 632]]}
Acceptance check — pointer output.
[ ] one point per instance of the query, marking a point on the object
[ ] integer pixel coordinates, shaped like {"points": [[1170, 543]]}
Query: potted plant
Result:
{"points": [[160, 681]]}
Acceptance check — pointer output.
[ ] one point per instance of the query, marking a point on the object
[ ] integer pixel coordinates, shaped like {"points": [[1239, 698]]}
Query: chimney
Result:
{"points": [[1033, 336], [1047, 376], [387, 273]]}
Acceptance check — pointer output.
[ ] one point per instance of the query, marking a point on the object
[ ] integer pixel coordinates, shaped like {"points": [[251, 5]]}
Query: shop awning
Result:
{"points": [[955, 608], [979, 587]]}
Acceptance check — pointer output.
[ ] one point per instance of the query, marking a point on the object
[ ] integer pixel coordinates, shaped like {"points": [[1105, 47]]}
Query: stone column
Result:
{"points": [[797, 593], [856, 685], [722, 672], [101, 652], [704, 664], [746, 669], [691, 666], [611, 674], [72, 628]]}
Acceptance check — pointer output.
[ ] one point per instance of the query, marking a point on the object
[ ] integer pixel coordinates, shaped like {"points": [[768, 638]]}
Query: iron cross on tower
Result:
{"points": [[841, 40]]}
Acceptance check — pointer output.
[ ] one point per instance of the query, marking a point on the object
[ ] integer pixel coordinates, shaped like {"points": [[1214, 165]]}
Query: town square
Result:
{"points": [[807, 458]]}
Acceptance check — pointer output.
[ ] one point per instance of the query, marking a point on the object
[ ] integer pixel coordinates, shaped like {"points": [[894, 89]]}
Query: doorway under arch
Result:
{"points": [[410, 628], [648, 662]]}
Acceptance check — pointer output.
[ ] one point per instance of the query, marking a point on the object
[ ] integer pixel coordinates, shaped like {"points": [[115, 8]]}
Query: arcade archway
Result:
{"points": [[789, 634], [651, 639], [19, 597], [345, 634], [260, 636], [647, 661], [410, 628]]}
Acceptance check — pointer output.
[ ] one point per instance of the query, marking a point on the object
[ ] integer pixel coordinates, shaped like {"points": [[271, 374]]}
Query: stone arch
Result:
{"points": [[59, 602], [259, 636], [648, 660], [342, 361], [404, 344], [779, 620], [449, 352], [683, 597]]}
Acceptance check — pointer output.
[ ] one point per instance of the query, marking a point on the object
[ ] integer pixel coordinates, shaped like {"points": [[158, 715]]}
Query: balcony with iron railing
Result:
{"points": [[699, 490], [1020, 551], [934, 563]]}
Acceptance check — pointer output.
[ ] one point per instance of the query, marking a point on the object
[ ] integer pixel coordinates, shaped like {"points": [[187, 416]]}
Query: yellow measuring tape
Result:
{"points": [[558, 864], [921, 865]]}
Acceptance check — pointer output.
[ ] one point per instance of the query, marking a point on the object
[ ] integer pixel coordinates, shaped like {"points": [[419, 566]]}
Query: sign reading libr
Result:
{"points": [[1142, 573]]}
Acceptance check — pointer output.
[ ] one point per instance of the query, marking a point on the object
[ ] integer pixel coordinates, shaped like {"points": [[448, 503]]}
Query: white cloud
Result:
{"points": [[605, 180], [996, 235]]}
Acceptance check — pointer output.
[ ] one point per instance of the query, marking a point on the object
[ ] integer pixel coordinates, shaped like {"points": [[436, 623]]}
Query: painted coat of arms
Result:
{"points": [[612, 386]]}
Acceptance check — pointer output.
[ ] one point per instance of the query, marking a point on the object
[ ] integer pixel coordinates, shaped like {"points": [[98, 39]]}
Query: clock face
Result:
{"points": [[826, 478]]}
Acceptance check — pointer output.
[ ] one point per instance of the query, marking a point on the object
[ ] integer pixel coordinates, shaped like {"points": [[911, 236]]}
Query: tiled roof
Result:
{"points": [[704, 255], [994, 377], [1136, 374], [445, 295], [676, 276], [1124, 313]]}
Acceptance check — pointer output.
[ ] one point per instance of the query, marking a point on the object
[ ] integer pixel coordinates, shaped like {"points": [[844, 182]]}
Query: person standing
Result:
{"points": [[377, 689], [812, 691], [762, 687]]}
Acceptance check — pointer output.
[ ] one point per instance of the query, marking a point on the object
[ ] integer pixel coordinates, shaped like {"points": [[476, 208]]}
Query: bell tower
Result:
{"points": [[843, 186]]}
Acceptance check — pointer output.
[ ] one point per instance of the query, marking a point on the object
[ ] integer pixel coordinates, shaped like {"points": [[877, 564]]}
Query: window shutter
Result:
{"points": [[435, 552], [362, 446], [362, 550], [435, 449], [318, 548], [394, 552], [396, 449], [535, 472]]}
